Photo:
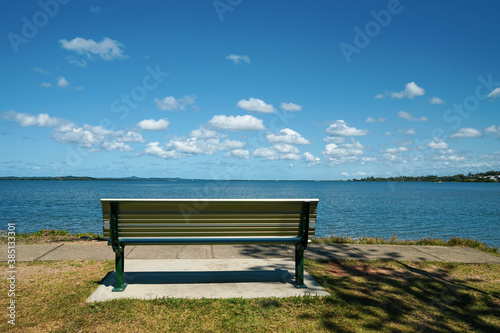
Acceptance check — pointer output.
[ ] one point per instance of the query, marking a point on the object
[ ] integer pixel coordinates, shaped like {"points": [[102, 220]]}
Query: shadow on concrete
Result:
{"points": [[192, 277]]}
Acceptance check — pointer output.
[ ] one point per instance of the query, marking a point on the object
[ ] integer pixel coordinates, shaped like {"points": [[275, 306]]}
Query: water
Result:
{"points": [[382, 209]]}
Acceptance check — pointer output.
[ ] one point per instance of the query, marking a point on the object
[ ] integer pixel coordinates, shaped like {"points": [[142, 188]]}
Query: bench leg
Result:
{"points": [[299, 267], [119, 269]]}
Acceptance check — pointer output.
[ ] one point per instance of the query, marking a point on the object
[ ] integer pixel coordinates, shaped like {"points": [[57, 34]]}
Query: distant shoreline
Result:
{"points": [[484, 177]]}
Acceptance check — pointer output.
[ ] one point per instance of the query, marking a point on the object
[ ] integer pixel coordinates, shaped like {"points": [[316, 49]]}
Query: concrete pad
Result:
{"points": [[170, 252], [333, 252], [391, 252], [253, 251], [29, 252], [207, 278], [459, 254], [95, 251]]}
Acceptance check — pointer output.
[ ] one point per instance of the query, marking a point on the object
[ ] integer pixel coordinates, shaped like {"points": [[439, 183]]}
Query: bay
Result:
{"points": [[408, 210]]}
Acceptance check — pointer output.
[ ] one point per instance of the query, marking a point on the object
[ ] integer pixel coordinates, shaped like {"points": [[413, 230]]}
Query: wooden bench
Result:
{"points": [[208, 221]]}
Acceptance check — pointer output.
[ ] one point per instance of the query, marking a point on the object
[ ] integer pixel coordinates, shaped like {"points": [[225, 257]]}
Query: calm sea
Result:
{"points": [[382, 209]]}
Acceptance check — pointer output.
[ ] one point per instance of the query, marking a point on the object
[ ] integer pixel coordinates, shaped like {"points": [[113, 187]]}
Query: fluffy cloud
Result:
{"points": [[96, 138], [291, 107], [238, 59], [411, 90], [61, 82], [437, 144], [310, 159], [345, 153], [410, 131], [466, 133], [238, 123], [193, 145], [26, 119], [409, 116], [495, 93], [107, 49], [493, 130], [153, 125], [287, 135], [238, 153], [339, 128], [256, 105], [170, 103], [436, 100], [278, 152], [396, 150]]}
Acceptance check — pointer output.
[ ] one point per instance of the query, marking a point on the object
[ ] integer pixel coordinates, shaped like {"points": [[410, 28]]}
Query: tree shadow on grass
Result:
{"points": [[399, 297]]}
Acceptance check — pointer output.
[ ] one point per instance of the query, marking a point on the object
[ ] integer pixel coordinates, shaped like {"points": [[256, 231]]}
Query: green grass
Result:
{"points": [[454, 241], [365, 297], [49, 236]]}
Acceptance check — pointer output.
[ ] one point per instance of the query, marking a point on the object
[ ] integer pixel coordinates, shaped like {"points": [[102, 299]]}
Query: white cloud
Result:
{"points": [[41, 70], [107, 49], [204, 133], [46, 85], [379, 96], [96, 138], [373, 120], [153, 125], [437, 144], [345, 153], [310, 159], [291, 107], [154, 149], [239, 153], [78, 62], [396, 150], [436, 100], [95, 9], [409, 116], [495, 93], [286, 149], [238, 123], [339, 128], [411, 90], [26, 119], [170, 103], [493, 130], [409, 131], [256, 105], [62, 82], [238, 59], [466, 133], [193, 145], [289, 136]]}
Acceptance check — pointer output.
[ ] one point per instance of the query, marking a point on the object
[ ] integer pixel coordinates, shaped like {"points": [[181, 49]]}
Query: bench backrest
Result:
{"points": [[207, 217]]}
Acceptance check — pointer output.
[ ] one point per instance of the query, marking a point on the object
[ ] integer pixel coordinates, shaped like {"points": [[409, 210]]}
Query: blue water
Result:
{"points": [[382, 209]]}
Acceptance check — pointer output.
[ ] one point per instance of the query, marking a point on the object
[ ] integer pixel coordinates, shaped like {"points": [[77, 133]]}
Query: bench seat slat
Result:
{"points": [[208, 240]]}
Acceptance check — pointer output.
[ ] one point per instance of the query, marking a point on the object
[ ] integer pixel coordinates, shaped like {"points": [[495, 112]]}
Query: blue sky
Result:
{"points": [[240, 89]]}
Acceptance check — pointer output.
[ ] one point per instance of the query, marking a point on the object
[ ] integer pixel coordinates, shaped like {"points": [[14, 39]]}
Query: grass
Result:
{"points": [[453, 241], [50, 236], [365, 297]]}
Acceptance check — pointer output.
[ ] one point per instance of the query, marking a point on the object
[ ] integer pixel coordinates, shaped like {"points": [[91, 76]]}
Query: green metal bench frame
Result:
{"points": [[111, 208]]}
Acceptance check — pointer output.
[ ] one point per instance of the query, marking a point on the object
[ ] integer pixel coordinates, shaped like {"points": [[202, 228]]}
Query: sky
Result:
{"points": [[240, 89]]}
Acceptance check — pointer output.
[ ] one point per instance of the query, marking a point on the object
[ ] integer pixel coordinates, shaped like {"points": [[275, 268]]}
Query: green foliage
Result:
{"points": [[483, 177]]}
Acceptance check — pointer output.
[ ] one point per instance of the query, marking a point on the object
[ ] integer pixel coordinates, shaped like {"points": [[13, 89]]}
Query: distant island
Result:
{"points": [[483, 177]]}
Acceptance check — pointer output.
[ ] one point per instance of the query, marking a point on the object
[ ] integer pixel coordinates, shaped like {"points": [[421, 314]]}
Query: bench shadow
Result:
{"points": [[197, 277]]}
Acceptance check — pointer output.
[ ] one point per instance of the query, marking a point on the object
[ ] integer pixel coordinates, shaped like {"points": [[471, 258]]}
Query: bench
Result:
{"points": [[208, 221]]}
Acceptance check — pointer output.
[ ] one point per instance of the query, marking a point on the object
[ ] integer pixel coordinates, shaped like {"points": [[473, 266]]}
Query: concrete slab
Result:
{"points": [[333, 252], [458, 254], [207, 278], [29, 252], [253, 251], [391, 252], [95, 251], [170, 252]]}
